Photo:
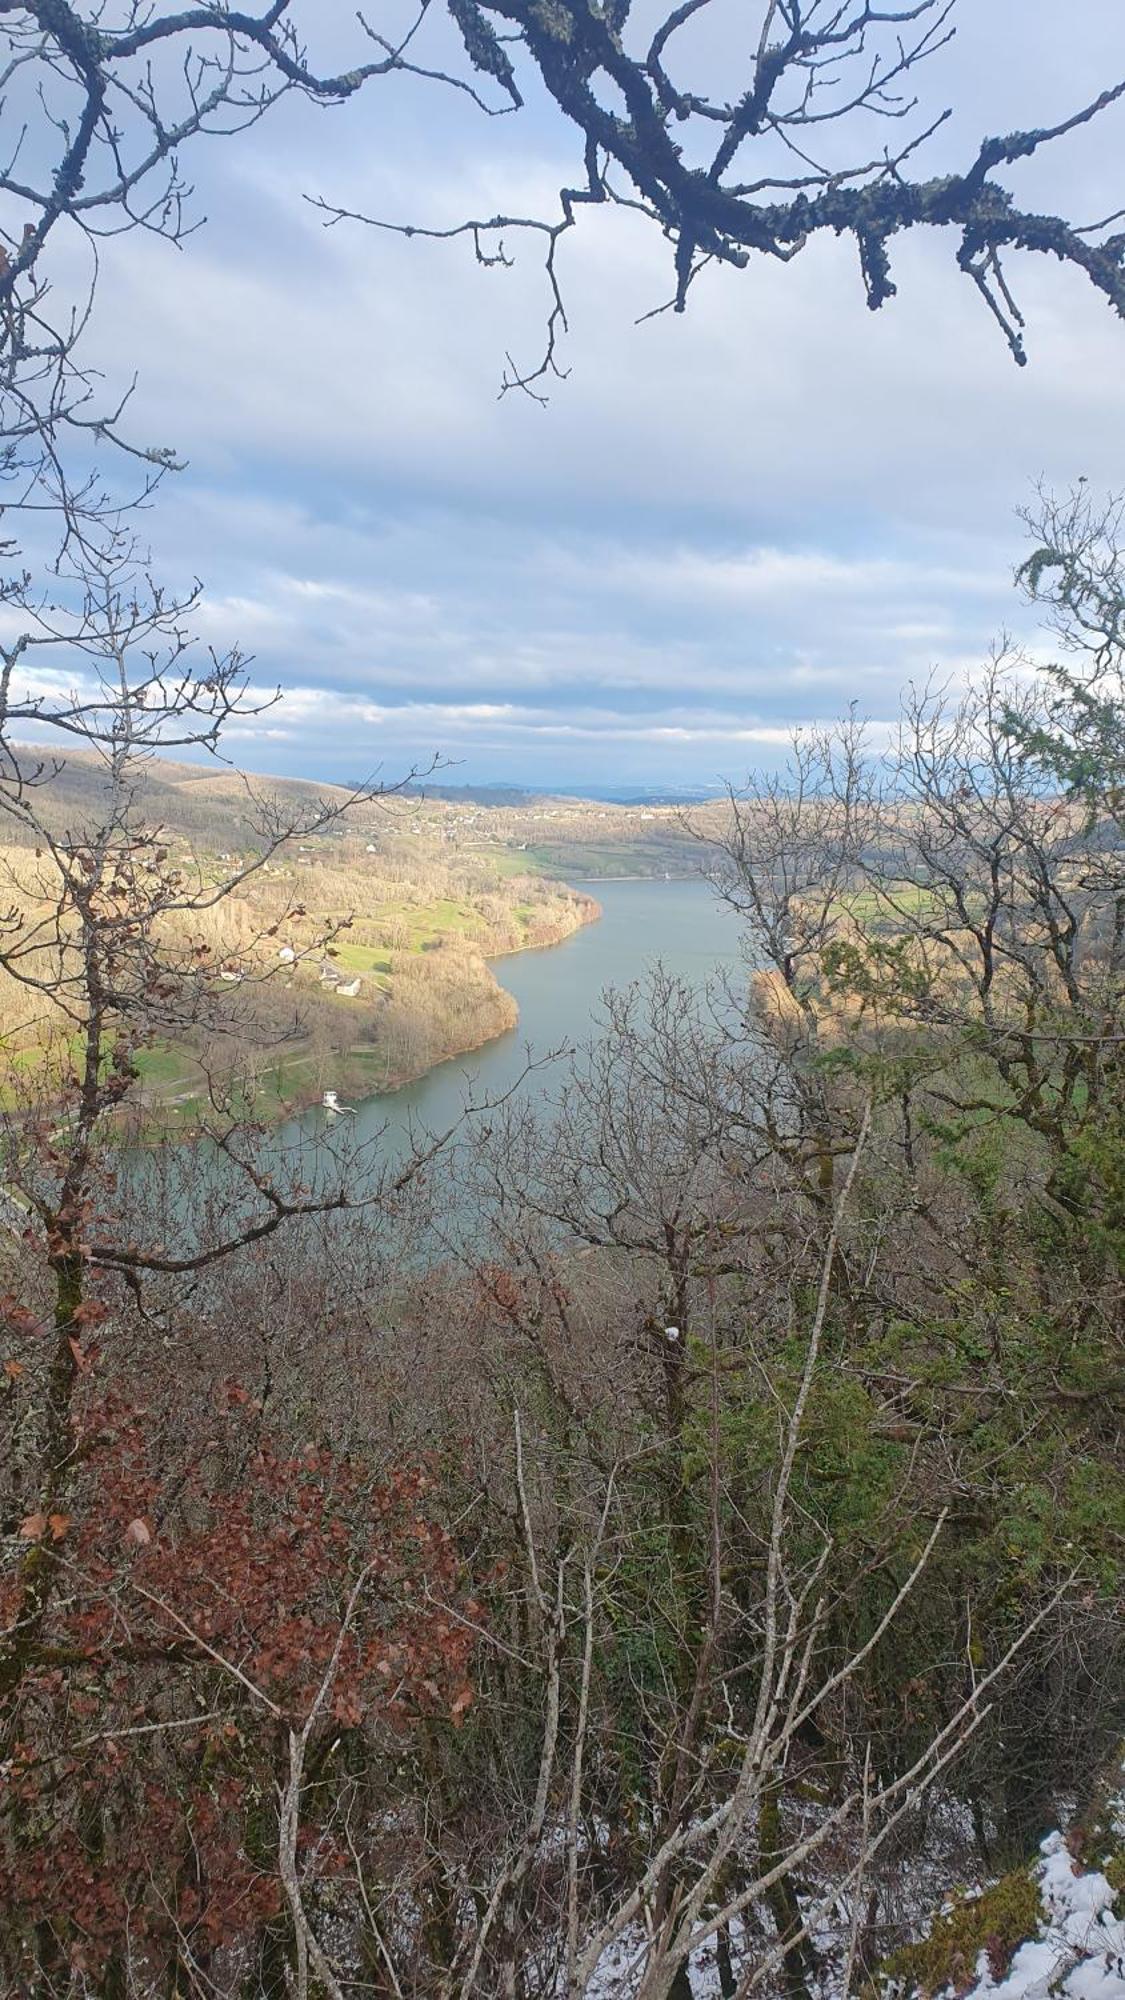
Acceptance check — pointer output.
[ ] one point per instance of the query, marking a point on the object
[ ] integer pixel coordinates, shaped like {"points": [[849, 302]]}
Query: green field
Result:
{"points": [[166, 1064], [375, 960], [906, 899], [505, 862], [578, 860]]}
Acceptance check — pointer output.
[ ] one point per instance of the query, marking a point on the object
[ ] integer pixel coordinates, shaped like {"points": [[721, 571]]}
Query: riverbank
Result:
{"points": [[443, 1005], [559, 996], [353, 965]]}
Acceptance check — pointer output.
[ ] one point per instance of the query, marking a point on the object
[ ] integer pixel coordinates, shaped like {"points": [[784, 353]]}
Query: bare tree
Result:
{"points": [[97, 120], [103, 937], [720, 1859], [969, 882], [962, 952], [782, 143], [815, 127]]}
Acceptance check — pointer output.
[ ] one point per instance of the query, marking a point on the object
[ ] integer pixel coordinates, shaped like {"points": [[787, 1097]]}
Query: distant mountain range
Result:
{"points": [[517, 795], [208, 801]]}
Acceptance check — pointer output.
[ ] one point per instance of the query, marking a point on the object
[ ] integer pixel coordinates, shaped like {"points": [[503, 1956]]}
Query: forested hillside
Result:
{"points": [[354, 958], [640, 1513], [698, 1571]]}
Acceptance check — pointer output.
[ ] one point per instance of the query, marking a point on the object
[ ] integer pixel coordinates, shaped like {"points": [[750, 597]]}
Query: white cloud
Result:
{"points": [[773, 503]]}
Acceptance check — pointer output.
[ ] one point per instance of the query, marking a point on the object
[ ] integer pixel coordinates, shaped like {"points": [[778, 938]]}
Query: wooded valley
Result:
{"points": [[712, 1559], [636, 1512]]}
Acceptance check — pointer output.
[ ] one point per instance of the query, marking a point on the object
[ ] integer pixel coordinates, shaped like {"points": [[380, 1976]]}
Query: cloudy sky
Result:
{"points": [[721, 524]]}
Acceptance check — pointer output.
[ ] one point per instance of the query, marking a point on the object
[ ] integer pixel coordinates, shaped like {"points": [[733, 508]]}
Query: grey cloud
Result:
{"points": [[777, 501]]}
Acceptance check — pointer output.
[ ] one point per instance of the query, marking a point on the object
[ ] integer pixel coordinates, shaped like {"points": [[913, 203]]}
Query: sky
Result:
{"points": [[721, 525]]}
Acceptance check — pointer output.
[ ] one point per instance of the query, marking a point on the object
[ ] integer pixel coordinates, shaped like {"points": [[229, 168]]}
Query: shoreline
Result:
{"points": [[552, 944], [391, 1089], [309, 1099], [470, 1048]]}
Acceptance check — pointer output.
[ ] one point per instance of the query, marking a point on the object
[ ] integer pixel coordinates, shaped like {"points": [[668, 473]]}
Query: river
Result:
{"points": [[683, 924], [558, 989]]}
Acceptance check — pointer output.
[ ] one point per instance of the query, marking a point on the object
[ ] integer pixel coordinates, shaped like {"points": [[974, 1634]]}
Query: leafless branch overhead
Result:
{"points": [[820, 129]]}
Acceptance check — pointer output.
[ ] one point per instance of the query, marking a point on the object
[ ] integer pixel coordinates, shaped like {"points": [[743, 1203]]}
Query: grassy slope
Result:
{"points": [[454, 889]]}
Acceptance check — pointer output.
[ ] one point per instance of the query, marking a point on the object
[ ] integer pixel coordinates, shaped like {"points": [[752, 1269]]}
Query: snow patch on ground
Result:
{"points": [[1080, 1951]]}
